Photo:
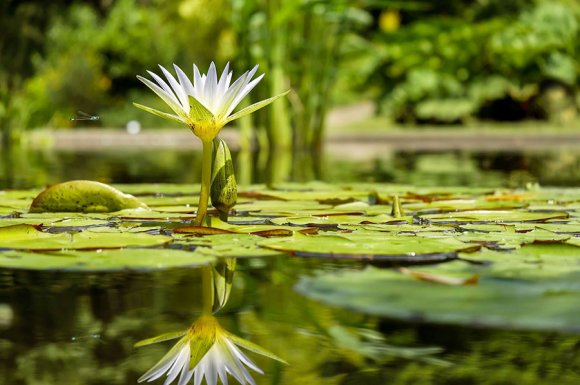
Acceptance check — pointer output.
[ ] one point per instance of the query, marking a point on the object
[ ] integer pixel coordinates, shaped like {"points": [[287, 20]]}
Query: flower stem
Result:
{"points": [[205, 182], [207, 290]]}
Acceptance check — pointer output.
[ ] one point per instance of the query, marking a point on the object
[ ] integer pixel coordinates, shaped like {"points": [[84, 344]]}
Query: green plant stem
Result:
{"points": [[205, 182], [207, 290]]}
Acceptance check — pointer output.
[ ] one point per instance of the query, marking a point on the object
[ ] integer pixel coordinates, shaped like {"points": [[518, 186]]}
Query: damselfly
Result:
{"points": [[84, 116]]}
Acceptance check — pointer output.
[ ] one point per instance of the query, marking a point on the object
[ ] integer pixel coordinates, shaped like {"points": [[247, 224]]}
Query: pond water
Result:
{"points": [[22, 168], [80, 328]]}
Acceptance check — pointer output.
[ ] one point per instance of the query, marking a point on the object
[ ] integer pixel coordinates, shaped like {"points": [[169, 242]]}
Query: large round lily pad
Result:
{"points": [[493, 302], [28, 237], [368, 246], [85, 196], [104, 260]]}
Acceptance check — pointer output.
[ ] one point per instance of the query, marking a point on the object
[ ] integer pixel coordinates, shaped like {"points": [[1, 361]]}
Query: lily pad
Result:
{"points": [[228, 246], [28, 237], [83, 196], [367, 246], [104, 260], [492, 216], [513, 239], [493, 302], [335, 220]]}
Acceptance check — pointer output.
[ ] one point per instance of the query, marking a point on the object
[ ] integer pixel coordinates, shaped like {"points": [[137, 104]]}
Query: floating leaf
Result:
{"points": [[28, 237], [494, 302], [493, 216], [228, 246], [370, 247], [335, 220], [83, 196], [513, 239], [103, 260]]}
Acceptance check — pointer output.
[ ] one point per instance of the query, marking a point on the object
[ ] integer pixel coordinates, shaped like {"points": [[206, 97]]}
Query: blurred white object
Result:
{"points": [[6, 315], [133, 127]]}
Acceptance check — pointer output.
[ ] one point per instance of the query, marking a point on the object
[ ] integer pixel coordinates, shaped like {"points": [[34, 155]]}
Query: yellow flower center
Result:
{"points": [[205, 130]]}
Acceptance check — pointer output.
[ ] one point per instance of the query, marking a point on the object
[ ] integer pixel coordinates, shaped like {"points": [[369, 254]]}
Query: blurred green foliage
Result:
{"points": [[299, 44], [85, 55], [425, 61], [490, 59]]}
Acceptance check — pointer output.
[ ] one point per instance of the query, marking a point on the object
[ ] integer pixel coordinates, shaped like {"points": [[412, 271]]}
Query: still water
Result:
{"points": [[69, 328], [22, 168], [80, 329]]}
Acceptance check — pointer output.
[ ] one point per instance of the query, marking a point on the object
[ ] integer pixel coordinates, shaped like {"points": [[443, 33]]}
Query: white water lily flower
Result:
{"points": [[207, 103], [205, 350]]}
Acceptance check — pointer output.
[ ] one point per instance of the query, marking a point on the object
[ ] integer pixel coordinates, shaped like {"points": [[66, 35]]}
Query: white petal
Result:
{"points": [[184, 80], [198, 374], [198, 83], [158, 370], [223, 375], [242, 357], [169, 99], [162, 84], [230, 95], [185, 376], [181, 361], [242, 94], [179, 91], [211, 88], [223, 83], [234, 366], [210, 374]]}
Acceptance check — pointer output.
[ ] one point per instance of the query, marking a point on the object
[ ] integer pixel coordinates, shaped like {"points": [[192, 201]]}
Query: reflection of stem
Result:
{"points": [[205, 182], [206, 290]]}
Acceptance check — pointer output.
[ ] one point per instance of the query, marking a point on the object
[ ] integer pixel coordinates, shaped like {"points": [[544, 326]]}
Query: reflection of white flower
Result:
{"points": [[207, 103], [205, 350]]}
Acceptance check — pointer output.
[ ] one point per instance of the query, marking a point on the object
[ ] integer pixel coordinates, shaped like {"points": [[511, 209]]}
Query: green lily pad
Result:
{"points": [[159, 189], [28, 237], [493, 302], [493, 216], [104, 260], [55, 222], [530, 262], [513, 239], [83, 196], [367, 246], [463, 205], [276, 208], [335, 220], [333, 197], [398, 228], [228, 246]]}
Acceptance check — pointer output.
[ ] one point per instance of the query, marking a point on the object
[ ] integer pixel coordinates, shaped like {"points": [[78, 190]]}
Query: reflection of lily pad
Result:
{"points": [[494, 302], [370, 247], [103, 260]]}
